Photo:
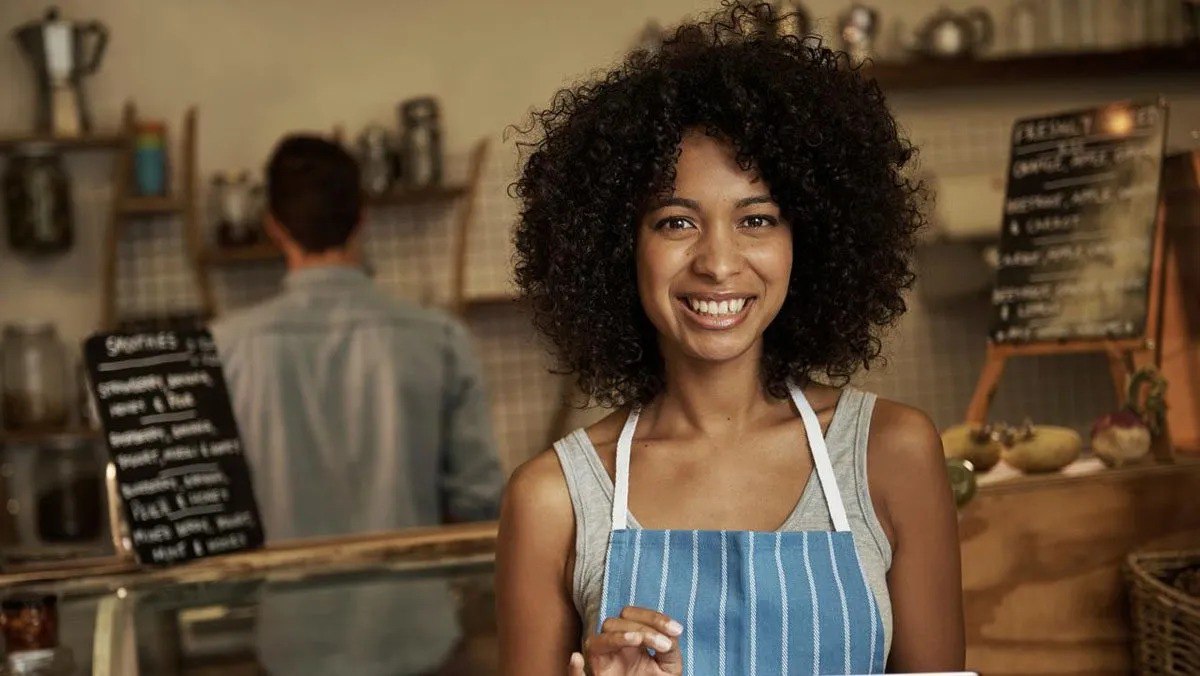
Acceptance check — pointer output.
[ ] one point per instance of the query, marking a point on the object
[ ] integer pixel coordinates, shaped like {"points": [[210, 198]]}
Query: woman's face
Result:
{"points": [[714, 258]]}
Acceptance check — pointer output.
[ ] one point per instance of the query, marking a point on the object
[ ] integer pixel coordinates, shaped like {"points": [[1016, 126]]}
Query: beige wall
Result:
{"points": [[259, 69], [263, 67]]}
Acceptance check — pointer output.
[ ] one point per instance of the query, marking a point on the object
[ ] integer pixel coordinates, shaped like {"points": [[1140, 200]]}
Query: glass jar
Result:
{"points": [[35, 378], [68, 489], [37, 201], [29, 622]]}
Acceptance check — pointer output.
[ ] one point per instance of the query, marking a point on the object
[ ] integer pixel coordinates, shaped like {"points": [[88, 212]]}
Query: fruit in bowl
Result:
{"points": [[1036, 449], [1120, 438], [978, 444], [1125, 437]]}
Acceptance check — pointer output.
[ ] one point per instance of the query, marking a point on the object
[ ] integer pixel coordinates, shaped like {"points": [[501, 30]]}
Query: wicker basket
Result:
{"points": [[1166, 619]]}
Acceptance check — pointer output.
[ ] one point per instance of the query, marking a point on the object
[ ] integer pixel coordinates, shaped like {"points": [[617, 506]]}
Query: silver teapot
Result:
{"points": [[951, 35]]}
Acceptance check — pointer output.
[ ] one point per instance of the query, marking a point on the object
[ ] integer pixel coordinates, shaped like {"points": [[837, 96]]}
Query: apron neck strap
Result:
{"points": [[620, 505], [816, 444], [820, 458]]}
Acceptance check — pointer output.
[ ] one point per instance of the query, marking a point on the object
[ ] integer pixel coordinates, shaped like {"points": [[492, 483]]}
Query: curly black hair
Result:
{"points": [[816, 130]]}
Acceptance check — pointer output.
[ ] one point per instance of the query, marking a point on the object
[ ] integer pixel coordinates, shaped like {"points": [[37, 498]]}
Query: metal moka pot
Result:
{"points": [[62, 53]]}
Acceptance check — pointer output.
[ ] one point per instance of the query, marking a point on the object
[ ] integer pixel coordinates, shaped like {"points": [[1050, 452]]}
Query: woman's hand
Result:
{"points": [[621, 647]]}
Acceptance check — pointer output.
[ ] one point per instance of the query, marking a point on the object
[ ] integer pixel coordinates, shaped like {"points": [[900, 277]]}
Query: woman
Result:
{"points": [[712, 238]]}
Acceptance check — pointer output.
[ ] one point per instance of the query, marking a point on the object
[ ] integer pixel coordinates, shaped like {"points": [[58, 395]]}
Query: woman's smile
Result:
{"points": [[716, 312]]}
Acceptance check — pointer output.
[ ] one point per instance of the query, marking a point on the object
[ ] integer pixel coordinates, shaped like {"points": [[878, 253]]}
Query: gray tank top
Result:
{"points": [[591, 491]]}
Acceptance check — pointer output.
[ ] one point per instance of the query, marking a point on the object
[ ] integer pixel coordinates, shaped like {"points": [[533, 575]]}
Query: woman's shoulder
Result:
{"points": [[538, 484], [900, 429], [904, 459]]}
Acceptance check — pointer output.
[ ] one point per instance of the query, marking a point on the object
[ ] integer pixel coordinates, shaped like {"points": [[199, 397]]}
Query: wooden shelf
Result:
{"points": [[491, 299], [41, 435], [150, 206], [242, 254], [410, 197], [928, 74], [10, 142]]}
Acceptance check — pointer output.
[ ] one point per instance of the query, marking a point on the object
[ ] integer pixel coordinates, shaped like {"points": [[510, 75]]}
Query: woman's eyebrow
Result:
{"points": [[757, 199], [676, 202]]}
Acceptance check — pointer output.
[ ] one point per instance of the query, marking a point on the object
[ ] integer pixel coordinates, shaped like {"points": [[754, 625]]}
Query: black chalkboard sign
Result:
{"points": [[170, 431], [1080, 211]]}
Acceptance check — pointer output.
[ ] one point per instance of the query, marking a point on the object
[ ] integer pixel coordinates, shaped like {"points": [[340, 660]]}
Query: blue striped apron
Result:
{"points": [[751, 602]]}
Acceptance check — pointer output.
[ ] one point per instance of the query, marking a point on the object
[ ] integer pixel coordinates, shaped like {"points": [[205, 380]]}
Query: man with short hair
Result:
{"points": [[359, 413]]}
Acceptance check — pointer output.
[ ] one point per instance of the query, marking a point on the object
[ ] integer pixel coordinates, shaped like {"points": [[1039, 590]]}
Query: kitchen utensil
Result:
{"points": [[69, 490], [950, 35], [1063, 18], [794, 19], [1026, 27], [377, 160], [858, 28], [62, 53], [37, 201], [238, 205], [650, 38], [421, 146], [35, 377]]}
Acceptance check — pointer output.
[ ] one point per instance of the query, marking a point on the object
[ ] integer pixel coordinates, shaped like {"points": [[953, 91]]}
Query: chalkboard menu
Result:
{"points": [[170, 430], [1079, 222]]}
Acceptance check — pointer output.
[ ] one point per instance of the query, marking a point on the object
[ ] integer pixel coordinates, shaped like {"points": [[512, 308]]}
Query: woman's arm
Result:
{"points": [[539, 628], [908, 471]]}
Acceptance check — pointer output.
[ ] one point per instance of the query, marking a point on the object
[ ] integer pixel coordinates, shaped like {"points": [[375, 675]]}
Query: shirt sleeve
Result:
{"points": [[471, 476]]}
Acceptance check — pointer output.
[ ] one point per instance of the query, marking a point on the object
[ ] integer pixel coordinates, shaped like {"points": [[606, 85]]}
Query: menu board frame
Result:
{"points": [[182, 478], [1125, 354]]}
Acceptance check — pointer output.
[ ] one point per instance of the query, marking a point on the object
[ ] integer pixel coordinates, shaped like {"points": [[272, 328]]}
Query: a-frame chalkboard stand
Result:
{"points": [[1124, 355]]}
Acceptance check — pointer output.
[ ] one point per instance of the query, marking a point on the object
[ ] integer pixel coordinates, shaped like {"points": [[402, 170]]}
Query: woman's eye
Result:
{"points": [[758, 221], [673, 223]]}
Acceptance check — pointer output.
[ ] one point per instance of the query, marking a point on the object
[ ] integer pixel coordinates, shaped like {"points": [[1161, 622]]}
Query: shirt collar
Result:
{"points": [[324, 276]]}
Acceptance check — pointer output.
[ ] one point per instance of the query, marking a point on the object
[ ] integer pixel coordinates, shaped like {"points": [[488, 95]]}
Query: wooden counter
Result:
{"points": [[1042, 561], [414, 547]]}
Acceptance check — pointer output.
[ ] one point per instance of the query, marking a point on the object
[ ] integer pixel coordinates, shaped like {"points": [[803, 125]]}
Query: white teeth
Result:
{"points": [[717, 308]]}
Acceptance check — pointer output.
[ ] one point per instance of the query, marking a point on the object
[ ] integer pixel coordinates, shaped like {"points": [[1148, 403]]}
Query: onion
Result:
{"points": [[1120, 438]]}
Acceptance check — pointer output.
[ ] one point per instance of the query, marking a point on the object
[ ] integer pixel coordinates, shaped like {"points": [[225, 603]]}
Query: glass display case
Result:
{"points": [[413, 602]]}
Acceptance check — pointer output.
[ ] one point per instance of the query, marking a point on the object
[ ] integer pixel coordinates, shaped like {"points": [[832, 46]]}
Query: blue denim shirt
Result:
{"points": [[358, 413]]}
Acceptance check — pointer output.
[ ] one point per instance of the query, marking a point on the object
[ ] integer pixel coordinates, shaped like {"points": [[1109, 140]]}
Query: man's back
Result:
{"points": [[358, 414]]}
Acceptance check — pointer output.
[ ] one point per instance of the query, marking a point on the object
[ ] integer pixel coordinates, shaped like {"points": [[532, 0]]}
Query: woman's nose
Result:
{"points": [[717, 255]]}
